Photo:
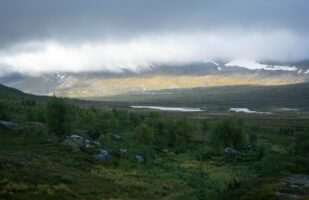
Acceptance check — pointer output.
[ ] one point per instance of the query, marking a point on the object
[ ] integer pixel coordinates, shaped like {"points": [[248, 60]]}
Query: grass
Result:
{"points": [[35, 165]]}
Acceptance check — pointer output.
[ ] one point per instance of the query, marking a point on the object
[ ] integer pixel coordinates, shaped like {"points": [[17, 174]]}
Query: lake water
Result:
{"points": [[177, 109], [246, 110]]}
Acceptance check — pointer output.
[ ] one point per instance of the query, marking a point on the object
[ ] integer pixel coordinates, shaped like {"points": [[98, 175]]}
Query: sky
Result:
{"points": [[43, 36]]}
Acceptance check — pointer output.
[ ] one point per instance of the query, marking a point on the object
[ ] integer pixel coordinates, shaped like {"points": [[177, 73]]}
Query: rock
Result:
{"points": [[97, 143], [294, 187], [75, 141], [139, 159], [75, 137], [230, 150], [11, 126], [123, 152], [103, 155], [79, 143], [296, 180], [251, 148], [117, 137]]}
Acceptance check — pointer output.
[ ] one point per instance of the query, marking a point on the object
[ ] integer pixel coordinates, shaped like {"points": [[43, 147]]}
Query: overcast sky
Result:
{"points": [[92, 35]]}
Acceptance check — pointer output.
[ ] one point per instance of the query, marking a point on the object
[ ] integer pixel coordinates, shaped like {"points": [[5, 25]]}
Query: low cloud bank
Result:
{"points": [[143, 52]]}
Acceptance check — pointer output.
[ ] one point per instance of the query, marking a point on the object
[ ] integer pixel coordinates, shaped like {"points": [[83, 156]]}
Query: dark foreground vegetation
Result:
{"points": [[61, 151]]}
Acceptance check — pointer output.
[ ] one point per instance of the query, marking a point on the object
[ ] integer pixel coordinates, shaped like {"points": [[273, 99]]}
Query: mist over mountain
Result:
{"points": [[161, 77], [104, 36], [102, 48]]}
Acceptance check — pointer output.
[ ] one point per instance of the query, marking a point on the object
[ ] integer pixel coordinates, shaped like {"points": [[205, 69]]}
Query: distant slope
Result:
{"points": [[160, 77], [7, 93], [296, 96], [217, 98], [11, 94]]}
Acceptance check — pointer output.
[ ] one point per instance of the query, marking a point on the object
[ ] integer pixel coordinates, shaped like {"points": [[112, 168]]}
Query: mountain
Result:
{"points": [[270, 98], [204, 74], [12, 95]]}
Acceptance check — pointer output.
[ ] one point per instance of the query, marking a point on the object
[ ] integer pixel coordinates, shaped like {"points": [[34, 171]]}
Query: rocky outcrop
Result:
{"points": [[11, 126], [294, 187]]}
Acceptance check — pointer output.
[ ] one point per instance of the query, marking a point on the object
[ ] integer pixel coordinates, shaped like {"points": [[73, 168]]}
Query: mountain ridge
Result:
{"points": [[160, 77]]}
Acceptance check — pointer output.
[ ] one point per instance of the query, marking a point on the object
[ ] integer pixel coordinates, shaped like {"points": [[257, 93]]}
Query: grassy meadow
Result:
{"points": [[184, 154]]}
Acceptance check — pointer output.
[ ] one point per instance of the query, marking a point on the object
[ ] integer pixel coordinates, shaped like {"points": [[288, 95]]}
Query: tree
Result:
{"points": [[302, 143], [144, 134], [183, 132], [228, 134], [58, 117], [205, 126], [253, 138], [3, 111]]}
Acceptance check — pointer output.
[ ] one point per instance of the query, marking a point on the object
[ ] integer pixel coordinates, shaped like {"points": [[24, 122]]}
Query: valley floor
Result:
{"points": [[37, 165]]}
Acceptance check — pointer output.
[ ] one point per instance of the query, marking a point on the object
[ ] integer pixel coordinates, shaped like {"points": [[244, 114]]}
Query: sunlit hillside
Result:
{"points": [[96, 87]]}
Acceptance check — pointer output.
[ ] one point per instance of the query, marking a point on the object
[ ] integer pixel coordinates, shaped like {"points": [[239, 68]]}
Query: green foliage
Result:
{"points": [[179, 163], [183, 132], [253, 139], [59, 117], [28, 102], [205, 126], [286, 131], [271, 165], [228, 133], [36, 114], [3, 111], [144, 134], [263, 192], [302, 143]]}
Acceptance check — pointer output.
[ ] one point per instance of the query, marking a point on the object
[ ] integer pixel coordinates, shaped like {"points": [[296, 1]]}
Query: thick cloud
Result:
{"points": [[77, 35]]}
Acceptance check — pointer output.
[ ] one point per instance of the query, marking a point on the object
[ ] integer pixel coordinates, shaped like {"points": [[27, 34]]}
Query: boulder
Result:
{"points": [[80, 143], [123, 152], [294, 187], [139, 159], [75, 137], [11, 126], [230, 150], [103, 155], [75, 141], [117, 137], [251, 148]]}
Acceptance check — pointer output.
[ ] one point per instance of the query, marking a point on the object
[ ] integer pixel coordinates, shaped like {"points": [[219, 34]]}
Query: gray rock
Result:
{"points": [[230, 150], [75, 137], [296, 180], [294, 187], [11, 126], [103, 155], [97, 143], [139, 159], [117, 137], [79, 143], [251, 148], [123, 152]]}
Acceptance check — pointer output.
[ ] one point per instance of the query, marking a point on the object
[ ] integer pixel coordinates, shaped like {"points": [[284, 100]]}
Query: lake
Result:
{"points": [[163, 108]]}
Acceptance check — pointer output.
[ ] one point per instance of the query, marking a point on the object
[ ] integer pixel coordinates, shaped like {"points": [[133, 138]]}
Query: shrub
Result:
{"points": [[228, 134], [3, 111], [253, 139], [144, 134], [58, 117], [271, 165], [302, 143]]}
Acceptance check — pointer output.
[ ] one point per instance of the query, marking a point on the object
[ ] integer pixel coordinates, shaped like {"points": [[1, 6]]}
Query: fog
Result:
{"points": [[41, 36], [143, 52]]}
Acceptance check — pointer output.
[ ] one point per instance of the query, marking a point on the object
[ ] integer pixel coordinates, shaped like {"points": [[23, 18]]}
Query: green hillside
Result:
{"points": [[224, 97], [66, 151]]}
